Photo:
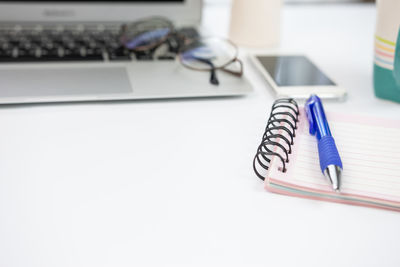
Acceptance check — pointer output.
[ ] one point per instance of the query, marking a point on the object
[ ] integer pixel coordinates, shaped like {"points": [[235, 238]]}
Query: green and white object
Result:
{"points": [[387, 50]]}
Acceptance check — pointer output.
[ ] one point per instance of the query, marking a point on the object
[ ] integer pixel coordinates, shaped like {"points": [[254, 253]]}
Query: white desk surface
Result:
{"points": [[170, 183]]}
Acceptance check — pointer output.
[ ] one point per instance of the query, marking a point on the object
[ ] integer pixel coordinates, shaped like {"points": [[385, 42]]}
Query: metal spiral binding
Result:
{"points": [[278, 137]]}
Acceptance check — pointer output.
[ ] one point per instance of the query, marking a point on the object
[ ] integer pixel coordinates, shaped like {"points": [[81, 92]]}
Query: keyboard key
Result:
{"points": [[166, 57], [71, 44], [144, 56], [119, 54]]}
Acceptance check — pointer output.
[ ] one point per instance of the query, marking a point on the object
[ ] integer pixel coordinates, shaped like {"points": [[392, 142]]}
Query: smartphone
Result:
{"points": [[296, 76]]}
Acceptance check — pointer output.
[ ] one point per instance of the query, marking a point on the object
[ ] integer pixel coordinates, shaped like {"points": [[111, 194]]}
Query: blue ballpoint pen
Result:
{"points": [[329, 159]]}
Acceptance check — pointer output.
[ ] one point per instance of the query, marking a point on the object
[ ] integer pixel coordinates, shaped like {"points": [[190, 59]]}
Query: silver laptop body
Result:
{"points": [[110, 78]]}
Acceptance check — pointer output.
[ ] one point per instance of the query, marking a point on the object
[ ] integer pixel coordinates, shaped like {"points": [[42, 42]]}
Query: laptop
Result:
{"points": [[34, 67]]}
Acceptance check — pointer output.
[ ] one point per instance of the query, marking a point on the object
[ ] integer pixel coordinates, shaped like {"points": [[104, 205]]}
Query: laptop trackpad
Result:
{"points": [[68, 82]]}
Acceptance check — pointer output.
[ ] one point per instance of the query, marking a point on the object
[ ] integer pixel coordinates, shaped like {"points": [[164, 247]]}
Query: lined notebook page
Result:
{"points": [[370, 152]]}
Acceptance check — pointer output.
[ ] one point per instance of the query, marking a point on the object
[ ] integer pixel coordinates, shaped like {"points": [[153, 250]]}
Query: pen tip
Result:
{"points": [[333, 173]]}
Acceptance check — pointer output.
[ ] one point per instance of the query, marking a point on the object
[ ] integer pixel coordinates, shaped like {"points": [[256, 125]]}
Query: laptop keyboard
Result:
{"points": [[62, 44]]}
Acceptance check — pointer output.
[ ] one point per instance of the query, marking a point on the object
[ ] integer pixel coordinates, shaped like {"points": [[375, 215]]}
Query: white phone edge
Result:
{"points": [[298, 92]]}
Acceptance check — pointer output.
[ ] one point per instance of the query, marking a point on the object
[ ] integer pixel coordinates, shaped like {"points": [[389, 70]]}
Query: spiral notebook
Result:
{"points": [[287, 158]]}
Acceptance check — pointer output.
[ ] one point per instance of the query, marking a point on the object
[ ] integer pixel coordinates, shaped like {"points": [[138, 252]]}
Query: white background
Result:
{"points": [[170, 183]]}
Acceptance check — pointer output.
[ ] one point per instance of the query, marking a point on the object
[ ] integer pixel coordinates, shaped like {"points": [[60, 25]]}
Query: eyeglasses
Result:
{"points": [[195, 53]]}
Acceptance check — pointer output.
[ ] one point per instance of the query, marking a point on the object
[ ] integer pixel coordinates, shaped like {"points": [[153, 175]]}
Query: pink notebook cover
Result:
{"points": [[370, 152]]}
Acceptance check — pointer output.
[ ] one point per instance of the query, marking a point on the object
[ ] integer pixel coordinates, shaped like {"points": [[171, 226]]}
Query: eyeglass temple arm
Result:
{"points": [[236, 73], [213, 78]]}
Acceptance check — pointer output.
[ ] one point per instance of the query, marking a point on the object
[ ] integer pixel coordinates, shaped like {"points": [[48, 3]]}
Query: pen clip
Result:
{"points": [[309, 110]]}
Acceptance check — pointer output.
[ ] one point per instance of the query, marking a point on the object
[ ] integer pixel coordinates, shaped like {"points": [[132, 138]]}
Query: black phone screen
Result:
{"points": [[293, 71]]}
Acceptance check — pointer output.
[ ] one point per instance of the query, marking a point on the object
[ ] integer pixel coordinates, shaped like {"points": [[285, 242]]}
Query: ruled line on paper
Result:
{"points": [[370, 155], [363, 170], [377, 146], [351, 183], [358, 156]]}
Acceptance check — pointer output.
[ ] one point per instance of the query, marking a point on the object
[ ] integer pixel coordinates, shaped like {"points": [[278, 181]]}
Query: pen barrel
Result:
{"points": [[328, 153]]}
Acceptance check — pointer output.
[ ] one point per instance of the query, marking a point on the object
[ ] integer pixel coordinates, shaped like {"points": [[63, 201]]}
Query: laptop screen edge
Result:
{"points": [[188, 12]]}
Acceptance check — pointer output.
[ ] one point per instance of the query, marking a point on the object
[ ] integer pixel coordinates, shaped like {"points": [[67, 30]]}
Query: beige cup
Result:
{"points": [[255, 23]]}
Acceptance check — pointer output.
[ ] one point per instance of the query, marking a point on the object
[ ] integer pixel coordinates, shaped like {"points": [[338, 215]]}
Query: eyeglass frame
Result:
{"points": [[213, 69], [223, 67]]}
